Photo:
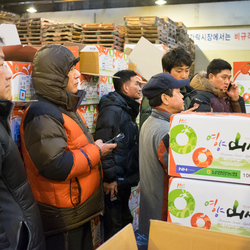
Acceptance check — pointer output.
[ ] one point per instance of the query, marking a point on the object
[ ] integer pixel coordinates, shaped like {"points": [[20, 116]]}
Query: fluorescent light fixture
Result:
{"points": [[32, 9], [160, 2]]}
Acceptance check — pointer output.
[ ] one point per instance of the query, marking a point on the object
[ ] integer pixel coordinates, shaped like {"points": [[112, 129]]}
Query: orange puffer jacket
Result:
{"points": [[63, 166]]}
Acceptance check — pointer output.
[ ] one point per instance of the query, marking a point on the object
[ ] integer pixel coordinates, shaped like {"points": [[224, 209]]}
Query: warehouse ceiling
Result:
{"points": [[20, 6]]}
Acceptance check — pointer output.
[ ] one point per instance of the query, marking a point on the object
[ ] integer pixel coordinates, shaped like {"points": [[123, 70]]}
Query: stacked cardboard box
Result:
{"points": [[96, 59], [108, 35], [209, 160]]}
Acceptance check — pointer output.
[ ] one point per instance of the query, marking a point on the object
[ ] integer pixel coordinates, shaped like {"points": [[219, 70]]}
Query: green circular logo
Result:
{"points": [[241, 89], [182, 131], [176, 199]]}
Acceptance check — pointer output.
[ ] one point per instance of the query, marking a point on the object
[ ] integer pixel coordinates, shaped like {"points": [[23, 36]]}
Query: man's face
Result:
{"points": [[180, 72], [221, 80], [5, 79], [175, 103], [132, 88], [73, 76]]}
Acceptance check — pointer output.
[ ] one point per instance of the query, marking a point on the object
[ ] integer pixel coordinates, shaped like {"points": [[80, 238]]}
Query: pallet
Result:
{"points": [[152, 40], [142, 21]]}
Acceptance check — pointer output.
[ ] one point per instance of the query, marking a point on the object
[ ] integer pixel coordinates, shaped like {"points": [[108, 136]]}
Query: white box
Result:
{"points": [[216, 206], [95, 87], [210, 146], [21, 82]]}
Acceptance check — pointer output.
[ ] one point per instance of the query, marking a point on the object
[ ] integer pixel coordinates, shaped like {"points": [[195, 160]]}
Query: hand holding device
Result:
{"points": [[195, 100], [116, 138]]}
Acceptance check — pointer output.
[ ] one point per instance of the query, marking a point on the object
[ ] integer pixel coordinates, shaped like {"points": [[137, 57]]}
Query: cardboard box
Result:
{"points": [[95, 87], [97, 232], [164, 235], [19, 53], [215, 206], [210, 146], [90, 113], [241, 71], [134, 202], [21, 82], [15, 122], [95, 59], [123, 240]]}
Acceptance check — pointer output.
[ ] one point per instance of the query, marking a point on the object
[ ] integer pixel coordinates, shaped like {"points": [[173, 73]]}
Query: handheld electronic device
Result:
{"points": [[229, 86], [195, 100], [116, 138]]}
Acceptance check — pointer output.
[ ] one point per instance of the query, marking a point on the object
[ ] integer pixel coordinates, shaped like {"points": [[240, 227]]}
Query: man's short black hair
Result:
{"points": [[125, 76], [175, 58], [156, 101], [1, 41], [217, 65]]}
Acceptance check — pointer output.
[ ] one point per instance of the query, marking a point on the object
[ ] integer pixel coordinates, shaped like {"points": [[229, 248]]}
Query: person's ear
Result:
{"points": [[210, 76], [164, 99], [125, 88]]}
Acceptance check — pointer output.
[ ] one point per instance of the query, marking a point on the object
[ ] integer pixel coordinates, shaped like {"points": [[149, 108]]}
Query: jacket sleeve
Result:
{"points": [[242, 104], [4, 242], [46, 143], [145, 110], [205, 106], [107, 127], [163, 150]]}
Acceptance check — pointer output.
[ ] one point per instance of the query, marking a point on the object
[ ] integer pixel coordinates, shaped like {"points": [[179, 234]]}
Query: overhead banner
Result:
{"points": [[221, 39]]}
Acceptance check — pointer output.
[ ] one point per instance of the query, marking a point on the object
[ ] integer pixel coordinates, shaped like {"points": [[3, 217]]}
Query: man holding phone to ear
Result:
{"points": [[117, 114], [215, 91]]}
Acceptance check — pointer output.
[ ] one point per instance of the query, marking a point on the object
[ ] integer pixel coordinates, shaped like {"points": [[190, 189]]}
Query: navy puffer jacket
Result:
{"points": [[117, 114]]}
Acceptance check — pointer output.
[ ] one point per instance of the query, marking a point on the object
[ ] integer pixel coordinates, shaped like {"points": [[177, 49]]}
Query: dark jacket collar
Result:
{"points": [[6, 108]]}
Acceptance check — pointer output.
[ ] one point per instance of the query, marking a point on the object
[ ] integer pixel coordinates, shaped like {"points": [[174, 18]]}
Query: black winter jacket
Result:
{"points": [[20, 223], [117, 114]]}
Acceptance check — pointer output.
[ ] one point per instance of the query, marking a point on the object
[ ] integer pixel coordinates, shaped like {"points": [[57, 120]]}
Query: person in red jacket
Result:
{"points": [[61, 158]]}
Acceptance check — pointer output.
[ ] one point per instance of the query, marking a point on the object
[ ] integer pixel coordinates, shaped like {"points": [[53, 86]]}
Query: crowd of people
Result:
{"points": [[67, 177]]}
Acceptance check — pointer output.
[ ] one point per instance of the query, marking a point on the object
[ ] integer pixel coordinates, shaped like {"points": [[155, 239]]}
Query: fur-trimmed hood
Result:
{"points": [[201, 82]]}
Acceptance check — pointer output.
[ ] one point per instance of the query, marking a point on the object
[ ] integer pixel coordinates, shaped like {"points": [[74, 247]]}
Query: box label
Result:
{"points": [[210, 146], [216, 206]]}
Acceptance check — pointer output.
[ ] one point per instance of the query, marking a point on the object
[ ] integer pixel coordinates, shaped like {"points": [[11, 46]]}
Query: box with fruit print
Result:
{"points": [[15, 122], [210, 146], [99, 60], [95, 87], [97, 231], [241, 71], [134, 202], [21, 82], [89, 113], [216, 206]]}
